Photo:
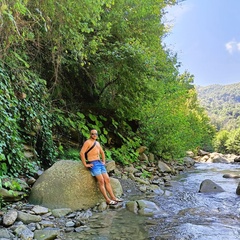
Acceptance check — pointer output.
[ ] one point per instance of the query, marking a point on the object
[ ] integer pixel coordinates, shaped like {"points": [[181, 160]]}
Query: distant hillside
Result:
{"points": [[222, 103]]}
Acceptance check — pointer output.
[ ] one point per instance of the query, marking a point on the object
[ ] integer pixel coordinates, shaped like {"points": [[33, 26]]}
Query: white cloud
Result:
{"points": [[232, 46]]}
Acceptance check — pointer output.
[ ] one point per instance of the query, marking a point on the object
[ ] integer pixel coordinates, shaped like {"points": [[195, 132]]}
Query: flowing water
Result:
{"points": [[186, 213], [194, 215]]}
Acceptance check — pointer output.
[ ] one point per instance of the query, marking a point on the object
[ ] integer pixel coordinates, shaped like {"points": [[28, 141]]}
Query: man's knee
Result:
{"points": [[107, 180], [101, 182]]}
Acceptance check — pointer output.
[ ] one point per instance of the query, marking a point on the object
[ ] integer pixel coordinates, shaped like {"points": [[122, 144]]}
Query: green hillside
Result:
{"points": [[222, 103]]}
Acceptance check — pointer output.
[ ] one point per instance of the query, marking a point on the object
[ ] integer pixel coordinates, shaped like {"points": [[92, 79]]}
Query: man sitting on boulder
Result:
{"points": [[92, 150]]}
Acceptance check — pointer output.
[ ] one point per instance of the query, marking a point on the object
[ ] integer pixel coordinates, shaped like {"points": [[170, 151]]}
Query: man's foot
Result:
{"points": [[112, 202], [118, 200]]}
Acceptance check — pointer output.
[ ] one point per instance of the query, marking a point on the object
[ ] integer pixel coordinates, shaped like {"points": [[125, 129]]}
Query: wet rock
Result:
{"points": [[31, 181], [4, 234], [116, 185], [202, 153], [208, 186], [142, 181], [237, 159], [110, 165], [238, 189], [143, 157], [46, 223], [219, 159], [40, 210], [229, 175], [163, 167], [28, 218], [143, 207], [10, 217], [24, 232], [147, 208], [188, 161], [102, 206], [132, 206], [11, 196], [70, 224], [131, 169], [143, 188], [61, 212], [46, 234]]}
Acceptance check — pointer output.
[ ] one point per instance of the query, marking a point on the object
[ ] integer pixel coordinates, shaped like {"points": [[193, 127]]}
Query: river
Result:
{"points": [[188, 214]]}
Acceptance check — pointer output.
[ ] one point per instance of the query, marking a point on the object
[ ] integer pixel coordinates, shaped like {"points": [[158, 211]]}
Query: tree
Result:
{"points": [[233, 142]]}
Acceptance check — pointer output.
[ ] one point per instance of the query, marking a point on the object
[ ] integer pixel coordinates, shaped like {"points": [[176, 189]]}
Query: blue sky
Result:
{"points": [[206, 36]]}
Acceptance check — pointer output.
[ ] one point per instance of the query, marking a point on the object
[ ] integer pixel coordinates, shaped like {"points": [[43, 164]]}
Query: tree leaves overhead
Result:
{"points": [[103, 60]]}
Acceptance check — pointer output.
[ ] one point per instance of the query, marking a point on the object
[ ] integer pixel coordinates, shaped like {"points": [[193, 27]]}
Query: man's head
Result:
{"points": [[93, 134]]}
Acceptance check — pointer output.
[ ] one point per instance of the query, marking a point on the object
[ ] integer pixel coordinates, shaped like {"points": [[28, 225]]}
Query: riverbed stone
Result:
{"points": [[147, 208], [61, 212], [132, 206], [24, 232], [10, 217], [68, 184], [110, 165], [46, 234], [163, 167], [208, 186], [229, 175], [143, 207], [236, 159], [4, 234], [40, 210], [238, 189], [11, 196], [28, 218]]}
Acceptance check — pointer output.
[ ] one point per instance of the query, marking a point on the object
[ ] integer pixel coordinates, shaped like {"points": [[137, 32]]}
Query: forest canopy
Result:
{"points": [[68, 66]]}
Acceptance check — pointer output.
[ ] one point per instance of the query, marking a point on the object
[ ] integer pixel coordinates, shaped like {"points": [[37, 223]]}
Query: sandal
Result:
{"points": [[112, 202], [118, 200]]}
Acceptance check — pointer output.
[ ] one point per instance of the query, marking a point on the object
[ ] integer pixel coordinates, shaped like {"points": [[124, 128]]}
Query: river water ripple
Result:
{"points": [[198, 216]]}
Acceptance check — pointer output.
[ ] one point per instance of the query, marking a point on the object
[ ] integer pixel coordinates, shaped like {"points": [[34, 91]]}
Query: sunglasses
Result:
{"points": [[94, 134]]}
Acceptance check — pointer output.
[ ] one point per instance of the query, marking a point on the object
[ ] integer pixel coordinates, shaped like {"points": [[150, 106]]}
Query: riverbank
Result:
{"points": [[26, 221]]}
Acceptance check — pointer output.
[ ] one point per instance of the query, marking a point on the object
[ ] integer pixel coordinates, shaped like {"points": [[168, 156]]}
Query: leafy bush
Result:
{"points": [[70, 154], [25, 119], [233, 142], [219, 141]]}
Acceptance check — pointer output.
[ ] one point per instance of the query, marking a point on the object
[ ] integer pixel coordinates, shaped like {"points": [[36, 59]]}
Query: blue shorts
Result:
{"points": [[98, 168]]}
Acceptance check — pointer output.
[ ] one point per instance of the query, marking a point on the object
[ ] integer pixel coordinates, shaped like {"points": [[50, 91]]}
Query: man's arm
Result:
{"points": [[102, 155], [82, 155]]}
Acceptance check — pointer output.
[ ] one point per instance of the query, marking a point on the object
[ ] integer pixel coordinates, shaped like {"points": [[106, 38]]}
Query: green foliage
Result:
{"points": [[12, 184], [222, 104], [146, 174], [219, 141], [11, 153], [175, 123], [127, 153], [227, 141], [70, 154], [26, 120], [233, 142]]}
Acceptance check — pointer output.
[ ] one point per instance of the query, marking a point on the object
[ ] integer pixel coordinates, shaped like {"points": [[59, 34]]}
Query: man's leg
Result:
{"points": [[108, 185], [101, 181]]}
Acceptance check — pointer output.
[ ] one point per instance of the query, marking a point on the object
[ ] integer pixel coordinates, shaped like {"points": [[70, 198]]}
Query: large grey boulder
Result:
{"points": [[208, 186], [68, 184]]}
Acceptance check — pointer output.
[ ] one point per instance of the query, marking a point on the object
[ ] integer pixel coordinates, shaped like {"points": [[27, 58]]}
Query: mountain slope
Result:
{"points": [[222, 103]]}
